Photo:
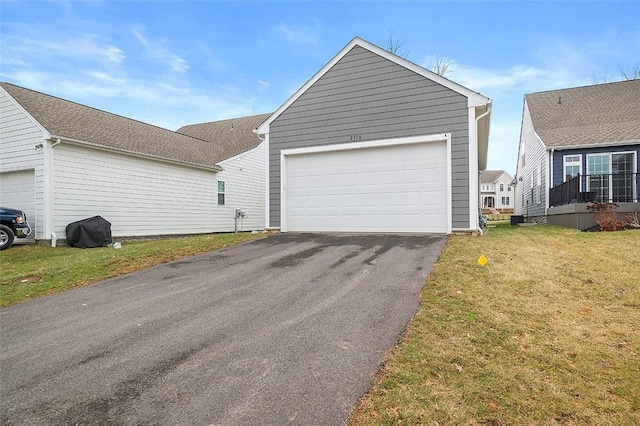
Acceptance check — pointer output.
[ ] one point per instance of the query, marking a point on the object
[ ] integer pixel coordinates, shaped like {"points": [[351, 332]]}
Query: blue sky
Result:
{"points": [[172, 63]]}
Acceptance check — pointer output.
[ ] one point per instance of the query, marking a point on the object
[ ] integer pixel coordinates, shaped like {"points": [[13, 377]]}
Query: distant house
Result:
{"points": [[61, 161], [375, 143], [496, 191], [579, 145]]}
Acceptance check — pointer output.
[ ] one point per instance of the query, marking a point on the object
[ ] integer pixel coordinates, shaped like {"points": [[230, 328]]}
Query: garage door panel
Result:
{"points": [[17, 190], [398, 188]]}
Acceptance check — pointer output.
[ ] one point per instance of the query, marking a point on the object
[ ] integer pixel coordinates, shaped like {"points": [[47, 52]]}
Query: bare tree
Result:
{"points": [[627, 72], [441, 65], [630, 72], [394, 45]]}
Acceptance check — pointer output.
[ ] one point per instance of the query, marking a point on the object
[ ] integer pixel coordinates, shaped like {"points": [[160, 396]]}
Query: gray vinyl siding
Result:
{"points": [[526, 202], [367, 95], [558, 163]]}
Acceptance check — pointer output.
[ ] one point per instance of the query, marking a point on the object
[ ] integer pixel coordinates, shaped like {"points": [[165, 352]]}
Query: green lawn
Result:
{"points": [[28, 271], [547, 333]]}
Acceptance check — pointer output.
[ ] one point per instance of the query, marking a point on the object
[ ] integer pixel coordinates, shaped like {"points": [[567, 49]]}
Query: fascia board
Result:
{"points": [[593, 145], [215, 168], [474, 98]]}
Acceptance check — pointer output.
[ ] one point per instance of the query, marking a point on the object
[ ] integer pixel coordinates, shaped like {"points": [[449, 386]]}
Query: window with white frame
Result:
{"points": [[505, 201], [501, 187], [611, 176], [221, 193], [572, 166]]}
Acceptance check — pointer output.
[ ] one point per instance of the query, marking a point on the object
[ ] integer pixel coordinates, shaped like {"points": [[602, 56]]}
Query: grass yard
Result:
{"points": [[548, 333], [28, 271]]}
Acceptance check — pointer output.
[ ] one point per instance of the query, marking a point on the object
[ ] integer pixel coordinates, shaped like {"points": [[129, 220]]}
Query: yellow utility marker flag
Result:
{"points": [[482, 260]]}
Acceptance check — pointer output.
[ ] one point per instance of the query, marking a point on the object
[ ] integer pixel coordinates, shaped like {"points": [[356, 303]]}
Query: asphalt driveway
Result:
{"points": [[290, 329]]}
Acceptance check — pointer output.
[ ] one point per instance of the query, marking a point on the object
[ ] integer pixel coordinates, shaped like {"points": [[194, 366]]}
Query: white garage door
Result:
{"points": [[397, 188], [17, 191]]}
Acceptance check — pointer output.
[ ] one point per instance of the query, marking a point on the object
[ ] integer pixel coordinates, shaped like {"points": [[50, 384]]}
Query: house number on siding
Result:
{"points": [[355, 137]]}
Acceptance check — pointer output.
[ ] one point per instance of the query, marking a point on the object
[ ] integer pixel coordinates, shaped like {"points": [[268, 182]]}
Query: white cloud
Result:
{"points": [[263, 85], [18, 50], [297, 36], [155, 49]]}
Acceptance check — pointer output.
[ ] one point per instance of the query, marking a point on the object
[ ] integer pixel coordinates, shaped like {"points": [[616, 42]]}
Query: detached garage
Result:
{"points": [[375, 143]]}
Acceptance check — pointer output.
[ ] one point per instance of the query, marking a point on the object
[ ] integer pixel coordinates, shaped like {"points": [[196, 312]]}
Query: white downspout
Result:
{"points": [[49, 178], [478, 181]]}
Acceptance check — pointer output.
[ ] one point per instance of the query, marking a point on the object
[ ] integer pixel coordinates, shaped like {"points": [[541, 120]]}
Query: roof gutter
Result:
{"points": [[600, 144], [59, 139]]}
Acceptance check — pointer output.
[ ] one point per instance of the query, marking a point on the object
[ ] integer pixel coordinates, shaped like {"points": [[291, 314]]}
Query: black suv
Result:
{"points": [[13, 223]]}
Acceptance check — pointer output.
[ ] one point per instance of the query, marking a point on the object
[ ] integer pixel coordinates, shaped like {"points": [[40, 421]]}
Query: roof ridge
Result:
{"points": [[585, 86], [100, 110], [227, 119]]}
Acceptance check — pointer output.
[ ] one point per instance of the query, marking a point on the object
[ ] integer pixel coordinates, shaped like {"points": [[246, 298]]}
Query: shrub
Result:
{"points": [[604, 214]]}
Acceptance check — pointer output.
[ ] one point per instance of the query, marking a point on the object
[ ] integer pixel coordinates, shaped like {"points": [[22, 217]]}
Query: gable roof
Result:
{"points": [[603, 114], [233, 136], [77, 123], [474, 99], [490, 176]]}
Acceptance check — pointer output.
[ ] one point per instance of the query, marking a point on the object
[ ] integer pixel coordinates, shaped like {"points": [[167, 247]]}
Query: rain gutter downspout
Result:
{"points": [[482, 231], [54, 237]]}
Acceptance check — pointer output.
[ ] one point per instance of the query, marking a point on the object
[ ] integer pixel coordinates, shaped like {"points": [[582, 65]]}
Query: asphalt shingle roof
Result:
{"points": [[592, 115], [69, 120], [233, 136], [490, 176]]}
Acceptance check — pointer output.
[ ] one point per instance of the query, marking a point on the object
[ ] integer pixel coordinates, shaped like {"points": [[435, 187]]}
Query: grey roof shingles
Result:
{"points": [[490, 176], [69, 120], [601, 114], [233, 136]]}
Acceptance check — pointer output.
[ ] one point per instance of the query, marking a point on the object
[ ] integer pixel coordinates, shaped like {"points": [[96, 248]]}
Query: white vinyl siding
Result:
{"points": [[19, 135], [138, 196], [244, 176], [529, 201]]}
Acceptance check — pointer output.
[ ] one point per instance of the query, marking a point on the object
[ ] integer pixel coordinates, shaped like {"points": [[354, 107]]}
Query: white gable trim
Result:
{"points": [[474, 98]]}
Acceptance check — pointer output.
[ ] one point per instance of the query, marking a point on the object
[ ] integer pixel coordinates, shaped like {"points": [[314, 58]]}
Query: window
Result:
{"points": [[572, 166], [221, 193], [611, 176], [501, 187], [505, 201], [508, 188]]}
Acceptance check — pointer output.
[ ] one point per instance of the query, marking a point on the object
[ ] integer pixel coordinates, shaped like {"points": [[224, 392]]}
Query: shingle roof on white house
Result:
{"points": [[82, 124], [232, 137], [601, 114], [490, 176]]}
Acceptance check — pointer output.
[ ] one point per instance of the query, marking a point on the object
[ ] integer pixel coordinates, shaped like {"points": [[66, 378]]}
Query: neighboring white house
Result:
{"points": [[375, 143], [496, 191], [61, 162]]}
